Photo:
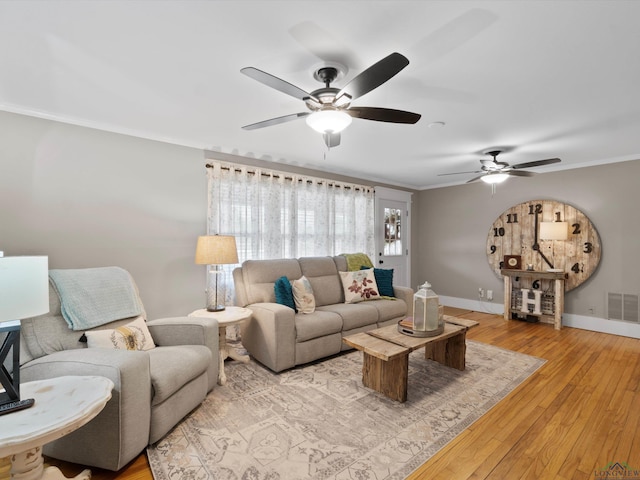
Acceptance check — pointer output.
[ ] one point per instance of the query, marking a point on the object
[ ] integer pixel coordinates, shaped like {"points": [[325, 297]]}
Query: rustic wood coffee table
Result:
{"points": [[385, 364]]}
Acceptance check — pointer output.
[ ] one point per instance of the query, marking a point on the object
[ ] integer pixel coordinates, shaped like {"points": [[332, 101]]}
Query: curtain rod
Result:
{"points": [[330, 183]]}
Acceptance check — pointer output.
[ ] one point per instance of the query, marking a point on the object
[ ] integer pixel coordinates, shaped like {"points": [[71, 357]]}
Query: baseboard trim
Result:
{"points": [[475, 305], [594, 324], [603, 325]]}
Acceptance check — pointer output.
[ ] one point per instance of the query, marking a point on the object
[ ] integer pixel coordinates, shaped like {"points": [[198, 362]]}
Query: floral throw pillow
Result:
{"points": [[359, 286], [303, 295], [133, 336]]}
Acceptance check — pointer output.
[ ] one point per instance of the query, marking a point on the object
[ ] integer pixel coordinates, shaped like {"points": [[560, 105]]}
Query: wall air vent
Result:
{"points": [[622, 306]]}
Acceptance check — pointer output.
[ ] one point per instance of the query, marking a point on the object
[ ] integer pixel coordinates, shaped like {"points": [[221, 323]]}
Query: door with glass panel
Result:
{"points": [[392, 237]]}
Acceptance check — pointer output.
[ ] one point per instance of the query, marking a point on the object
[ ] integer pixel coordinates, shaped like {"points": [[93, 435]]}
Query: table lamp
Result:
{"points": [[24, 293], [214, 251]]}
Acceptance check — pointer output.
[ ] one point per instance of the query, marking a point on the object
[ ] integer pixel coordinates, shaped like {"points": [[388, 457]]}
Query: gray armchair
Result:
{"points": [[154, 389]]}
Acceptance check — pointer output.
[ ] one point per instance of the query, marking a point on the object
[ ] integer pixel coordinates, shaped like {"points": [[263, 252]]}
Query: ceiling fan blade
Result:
{"points": [[458, 173], [323, 44], [519, 173], [276, 121], [383, 114], [375, 75], [331, 139], [453, 35], [536, 163], [474, 179], [277, 83]]}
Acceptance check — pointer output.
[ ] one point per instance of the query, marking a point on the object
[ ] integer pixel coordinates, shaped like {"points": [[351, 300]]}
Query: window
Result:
{"points": [[392, 224], [283, 215]]}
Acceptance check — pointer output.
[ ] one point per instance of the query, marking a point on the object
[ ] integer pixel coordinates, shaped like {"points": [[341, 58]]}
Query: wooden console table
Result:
{"points": [[557, 278]]}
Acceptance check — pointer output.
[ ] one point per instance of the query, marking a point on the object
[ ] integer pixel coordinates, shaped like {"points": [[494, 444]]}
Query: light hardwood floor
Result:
{"points": [[575, 415]]}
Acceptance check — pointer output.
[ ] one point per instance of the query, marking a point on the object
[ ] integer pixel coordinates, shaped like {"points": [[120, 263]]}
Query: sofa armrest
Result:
{"points": [[121, 431], [270, 335], [406, 294], [189, 331]]}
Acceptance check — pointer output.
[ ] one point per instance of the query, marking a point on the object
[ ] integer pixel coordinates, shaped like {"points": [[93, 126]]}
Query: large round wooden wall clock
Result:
{"points": [[547, 236]]}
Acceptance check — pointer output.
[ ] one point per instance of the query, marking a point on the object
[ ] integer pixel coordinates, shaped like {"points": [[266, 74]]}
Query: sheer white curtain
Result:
{"points": [[282, 215]]}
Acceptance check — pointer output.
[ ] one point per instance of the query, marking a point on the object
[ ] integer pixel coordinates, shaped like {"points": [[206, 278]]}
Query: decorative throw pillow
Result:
{"points": [[132, 336], [284, 293], [384, 279], [303, 295], [359, 286]]}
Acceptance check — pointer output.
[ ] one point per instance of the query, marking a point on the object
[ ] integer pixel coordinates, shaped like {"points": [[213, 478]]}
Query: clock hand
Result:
{"points": [[536, 246], [543, 257]]}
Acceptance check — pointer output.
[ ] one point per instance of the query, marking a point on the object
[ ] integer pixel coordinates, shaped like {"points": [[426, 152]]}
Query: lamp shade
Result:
{"points": [[494, 178], [24, 287], [554, 230], [333, 121], [216, 250]]}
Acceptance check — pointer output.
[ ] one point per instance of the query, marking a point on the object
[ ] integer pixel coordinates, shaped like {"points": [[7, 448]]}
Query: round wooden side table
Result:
{"points": [[62, 405], [226, 317]]}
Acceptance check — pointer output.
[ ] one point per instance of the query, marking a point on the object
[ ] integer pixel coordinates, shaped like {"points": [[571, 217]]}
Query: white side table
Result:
{"points": [[228, 316], [62, 405]]}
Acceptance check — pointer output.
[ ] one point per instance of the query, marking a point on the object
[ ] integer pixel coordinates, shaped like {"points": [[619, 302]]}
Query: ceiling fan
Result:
{"points": [[329, 109], [494, 171]]}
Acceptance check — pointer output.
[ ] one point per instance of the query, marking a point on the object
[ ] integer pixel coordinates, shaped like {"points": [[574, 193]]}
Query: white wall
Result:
{"points": [[453, 224], [89, 198]]}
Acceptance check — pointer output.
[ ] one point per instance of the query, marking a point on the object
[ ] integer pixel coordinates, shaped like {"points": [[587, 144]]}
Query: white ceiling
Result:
{"points": [[544, 78]]}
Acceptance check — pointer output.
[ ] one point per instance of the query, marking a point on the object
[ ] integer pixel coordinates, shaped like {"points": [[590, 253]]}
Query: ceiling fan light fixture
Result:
{"points": [[493, 178], [333, 121]]}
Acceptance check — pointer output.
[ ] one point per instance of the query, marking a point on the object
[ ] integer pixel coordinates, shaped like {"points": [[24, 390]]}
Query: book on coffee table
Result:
{"points": [[406, 323]]}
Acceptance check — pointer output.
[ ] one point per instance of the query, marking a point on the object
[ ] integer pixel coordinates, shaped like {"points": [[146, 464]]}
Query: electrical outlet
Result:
{"points": [[481, 292], [489, 295]]}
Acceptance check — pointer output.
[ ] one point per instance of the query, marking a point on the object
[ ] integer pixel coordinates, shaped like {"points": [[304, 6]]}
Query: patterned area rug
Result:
{"points": [[319, 422]]}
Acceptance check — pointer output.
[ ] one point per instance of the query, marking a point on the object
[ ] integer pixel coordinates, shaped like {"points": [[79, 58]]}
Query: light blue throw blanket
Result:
{"points": [[90, 297]]}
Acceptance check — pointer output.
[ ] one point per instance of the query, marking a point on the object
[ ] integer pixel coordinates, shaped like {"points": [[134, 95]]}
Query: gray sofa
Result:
{"points": [[154, 389], [279, 338]]}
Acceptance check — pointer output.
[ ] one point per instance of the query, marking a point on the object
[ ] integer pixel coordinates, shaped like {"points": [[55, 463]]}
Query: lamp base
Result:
{"points": [[16, 405], [10, 382], [215, 308]]}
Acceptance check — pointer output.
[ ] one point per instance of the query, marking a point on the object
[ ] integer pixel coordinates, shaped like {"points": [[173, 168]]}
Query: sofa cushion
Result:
{"points": [[359, 286], [341, 263], [316, 324], [259, 277], [390, 309], [172, 367], [303, 295], [132, 336], [284, 293], [325, 281], [354, 315]]}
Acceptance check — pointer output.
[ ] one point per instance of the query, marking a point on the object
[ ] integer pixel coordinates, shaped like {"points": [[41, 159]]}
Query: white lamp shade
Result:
{"points": [[24, 287], [494, 177], [333, 121], [216, 250], [554, 230]]}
